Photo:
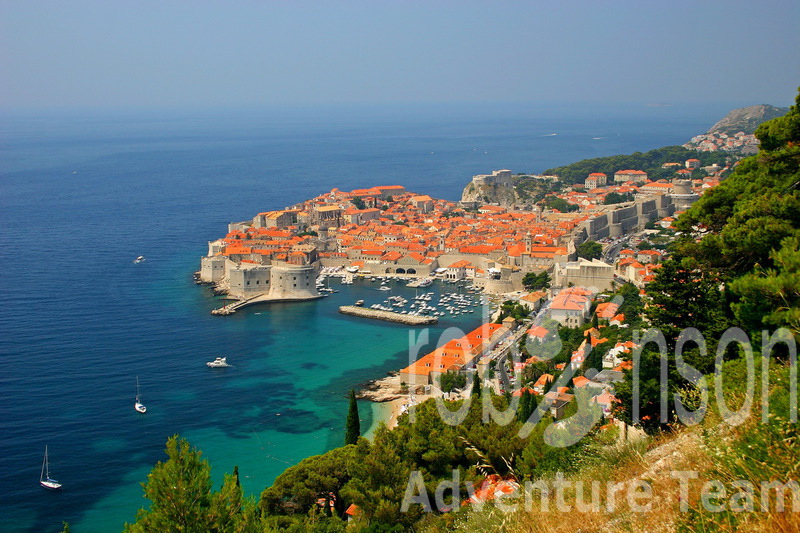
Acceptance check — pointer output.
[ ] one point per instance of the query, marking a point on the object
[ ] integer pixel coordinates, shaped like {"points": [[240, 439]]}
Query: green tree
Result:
{"points": [[590, 250], [353, 430], [298, 488], [559, 204], [378, 481], [452, 380], [527, 405], [770, 297], [535, 282], [180, 492], [617, 198], [476, 386], [682, 296]]}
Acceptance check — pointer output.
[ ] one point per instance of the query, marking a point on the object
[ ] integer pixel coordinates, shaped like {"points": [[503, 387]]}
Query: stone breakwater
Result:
{"points": [[389, 316]]}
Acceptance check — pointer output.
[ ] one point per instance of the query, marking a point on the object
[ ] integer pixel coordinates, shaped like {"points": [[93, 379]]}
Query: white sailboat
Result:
{"points": [[44, 478], [138, 405]]}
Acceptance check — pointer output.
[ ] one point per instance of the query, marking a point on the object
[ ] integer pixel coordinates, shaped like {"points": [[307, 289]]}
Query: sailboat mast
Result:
{"points": [[45, 463]]}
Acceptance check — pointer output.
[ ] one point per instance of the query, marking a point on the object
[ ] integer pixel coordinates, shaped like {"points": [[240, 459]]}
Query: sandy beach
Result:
{"points": [[388, 398]]}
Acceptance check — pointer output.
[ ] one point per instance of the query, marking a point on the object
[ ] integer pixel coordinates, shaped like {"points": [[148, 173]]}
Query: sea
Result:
{"points": [[84, 192]]}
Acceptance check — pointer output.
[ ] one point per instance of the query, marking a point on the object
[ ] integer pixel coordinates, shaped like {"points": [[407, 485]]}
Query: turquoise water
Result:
{"points": [[82, 195]]}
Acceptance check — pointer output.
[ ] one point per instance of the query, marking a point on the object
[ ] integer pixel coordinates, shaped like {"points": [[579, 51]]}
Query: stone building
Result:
{"points": [[594, 274]]}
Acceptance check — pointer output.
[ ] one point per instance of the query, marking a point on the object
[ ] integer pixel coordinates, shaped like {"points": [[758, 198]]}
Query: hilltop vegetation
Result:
{"points": [[649, 162]]}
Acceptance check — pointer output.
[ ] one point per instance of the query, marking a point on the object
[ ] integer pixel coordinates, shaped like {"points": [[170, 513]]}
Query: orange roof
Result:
{"points": [[454, 354], [624, 365], [580, 381], [392, 256], [606, 310], [538, 332], [353, 510]]}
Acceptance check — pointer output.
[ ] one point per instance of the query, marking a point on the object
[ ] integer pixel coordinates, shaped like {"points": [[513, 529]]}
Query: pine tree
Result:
{"points": [[180, 492], [353, 423]]}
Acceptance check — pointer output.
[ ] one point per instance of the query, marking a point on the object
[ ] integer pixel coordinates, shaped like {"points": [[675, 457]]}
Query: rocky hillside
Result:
{"points": [[489, 193], [747, 119]]}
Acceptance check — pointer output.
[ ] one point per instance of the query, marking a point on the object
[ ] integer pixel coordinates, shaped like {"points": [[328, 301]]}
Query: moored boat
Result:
{"points": [[44, 478], [137, 404]]}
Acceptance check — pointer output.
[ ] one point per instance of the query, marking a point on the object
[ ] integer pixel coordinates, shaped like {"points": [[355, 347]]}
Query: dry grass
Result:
{"points": [[752, 451]]}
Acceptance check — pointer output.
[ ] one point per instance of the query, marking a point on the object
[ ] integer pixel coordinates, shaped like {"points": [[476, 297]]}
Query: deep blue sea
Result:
{"points": [[83, 194]]}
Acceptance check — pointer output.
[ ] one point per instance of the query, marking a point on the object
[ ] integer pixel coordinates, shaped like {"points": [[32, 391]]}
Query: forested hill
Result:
{"points": [[649, 162]]}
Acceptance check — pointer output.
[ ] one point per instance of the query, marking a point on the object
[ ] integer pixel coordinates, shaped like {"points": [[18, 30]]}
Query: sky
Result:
{"points": [[171, 53]]}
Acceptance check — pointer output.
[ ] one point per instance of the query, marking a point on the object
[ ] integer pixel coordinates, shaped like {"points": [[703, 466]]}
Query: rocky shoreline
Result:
{"points": [[383, 390]]}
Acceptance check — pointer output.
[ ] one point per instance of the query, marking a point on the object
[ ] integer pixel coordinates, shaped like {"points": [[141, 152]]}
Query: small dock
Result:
{"points": [[389, 316], [231, 308]]}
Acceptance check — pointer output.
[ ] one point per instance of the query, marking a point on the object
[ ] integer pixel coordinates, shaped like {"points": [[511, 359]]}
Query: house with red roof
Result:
{"points": [[455, 355], [595, 180], [571, 307], [624, 176]]}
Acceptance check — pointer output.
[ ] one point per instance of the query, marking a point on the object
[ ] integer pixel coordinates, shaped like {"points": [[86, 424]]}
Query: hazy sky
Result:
{"points": [[75, 53]]}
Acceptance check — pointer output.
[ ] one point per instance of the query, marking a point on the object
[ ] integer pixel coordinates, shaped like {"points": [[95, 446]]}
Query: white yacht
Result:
{"points": [[219, 362]]}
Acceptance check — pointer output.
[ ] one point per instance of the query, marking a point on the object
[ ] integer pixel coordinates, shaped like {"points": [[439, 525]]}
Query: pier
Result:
{"points": [[389, 316], [231, 308]]}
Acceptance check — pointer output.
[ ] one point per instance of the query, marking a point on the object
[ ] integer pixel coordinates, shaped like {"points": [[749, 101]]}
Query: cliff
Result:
{"points": [[488, 193], [747, 119]]}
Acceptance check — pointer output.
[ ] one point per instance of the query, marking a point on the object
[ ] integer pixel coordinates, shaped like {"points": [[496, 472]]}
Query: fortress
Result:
{"points": [[498, 177], [247, 279], [619, 219]]}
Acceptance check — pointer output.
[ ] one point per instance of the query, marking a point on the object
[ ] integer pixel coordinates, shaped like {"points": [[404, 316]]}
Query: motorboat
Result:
{"points": [[219, 362], [139, 259]]}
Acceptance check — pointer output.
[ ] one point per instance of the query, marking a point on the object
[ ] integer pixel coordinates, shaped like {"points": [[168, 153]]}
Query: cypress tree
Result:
{"points": [[353, 424], [476, 385], [526, 407]]}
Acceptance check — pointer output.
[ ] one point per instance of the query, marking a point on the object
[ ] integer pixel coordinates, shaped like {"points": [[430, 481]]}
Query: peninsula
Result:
{"points": [[388, 231]]}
